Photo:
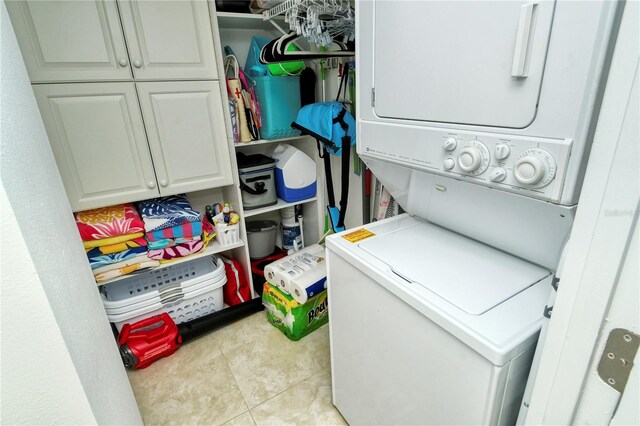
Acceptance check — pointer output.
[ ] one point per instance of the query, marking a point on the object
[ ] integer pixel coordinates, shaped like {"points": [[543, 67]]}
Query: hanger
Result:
{"points": [[277, 51]]}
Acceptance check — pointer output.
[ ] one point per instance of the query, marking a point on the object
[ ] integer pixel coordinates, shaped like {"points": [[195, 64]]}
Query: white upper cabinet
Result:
{"points": [[187, 137], [169, 40], [70, 40], [466, 62], [97, 136]]}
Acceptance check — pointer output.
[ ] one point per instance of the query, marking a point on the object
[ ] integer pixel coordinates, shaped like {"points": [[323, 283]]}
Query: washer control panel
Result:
{"points": [[531, 166]]}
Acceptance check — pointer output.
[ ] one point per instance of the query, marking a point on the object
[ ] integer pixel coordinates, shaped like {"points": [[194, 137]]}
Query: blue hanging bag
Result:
{"points": [[334, 128]]}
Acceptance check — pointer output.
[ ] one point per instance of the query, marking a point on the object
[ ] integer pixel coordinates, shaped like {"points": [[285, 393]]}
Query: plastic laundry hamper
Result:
{"points": [[279, 99], [185, 291]]}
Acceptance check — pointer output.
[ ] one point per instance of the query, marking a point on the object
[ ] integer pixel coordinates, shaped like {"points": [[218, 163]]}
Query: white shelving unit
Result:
{"points": [[265, 141], [213, 248], [236, 30], [281, 204], [248, 21]]}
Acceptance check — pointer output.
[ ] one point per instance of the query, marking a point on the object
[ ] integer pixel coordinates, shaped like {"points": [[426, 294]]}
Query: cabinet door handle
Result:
{"points": [[137, 63], [123, 62], [163, 182], [151, 184]]}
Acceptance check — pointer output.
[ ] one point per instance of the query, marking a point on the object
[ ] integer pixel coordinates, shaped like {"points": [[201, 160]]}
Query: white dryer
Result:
{"points": [[478, 119], [428, 326]]}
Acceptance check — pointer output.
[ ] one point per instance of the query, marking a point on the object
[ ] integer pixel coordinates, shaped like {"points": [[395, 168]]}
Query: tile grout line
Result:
{"points": [[283, 391], [235, 381]]}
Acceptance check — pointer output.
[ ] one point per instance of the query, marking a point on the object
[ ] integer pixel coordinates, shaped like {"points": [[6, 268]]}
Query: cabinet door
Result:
{"points": [[70, 40], [187, 137], [97, 136], [169, 40]]}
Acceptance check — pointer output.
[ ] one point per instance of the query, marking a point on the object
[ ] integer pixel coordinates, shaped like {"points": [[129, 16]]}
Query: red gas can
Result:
{"points": [[146, 341]]}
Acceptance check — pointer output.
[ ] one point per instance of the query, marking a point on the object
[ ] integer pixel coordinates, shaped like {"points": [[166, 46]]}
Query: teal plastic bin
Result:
{"points": [[279, 99]]}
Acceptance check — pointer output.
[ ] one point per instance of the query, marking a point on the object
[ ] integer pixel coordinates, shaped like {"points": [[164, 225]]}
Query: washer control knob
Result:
{"points": [[469, 159], [498, 174], [502, 151], [449, 163], [450, 144], [529, 170]]}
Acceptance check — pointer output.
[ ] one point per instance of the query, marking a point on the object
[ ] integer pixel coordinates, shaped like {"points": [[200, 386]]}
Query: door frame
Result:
{"points": [[605, 223]]}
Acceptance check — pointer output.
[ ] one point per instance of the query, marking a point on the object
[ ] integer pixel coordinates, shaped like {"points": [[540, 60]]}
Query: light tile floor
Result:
{"points": [[247, 373]]}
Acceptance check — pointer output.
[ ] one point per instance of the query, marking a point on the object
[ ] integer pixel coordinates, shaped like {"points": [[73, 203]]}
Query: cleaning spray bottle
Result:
{"points": [[291, 228]]}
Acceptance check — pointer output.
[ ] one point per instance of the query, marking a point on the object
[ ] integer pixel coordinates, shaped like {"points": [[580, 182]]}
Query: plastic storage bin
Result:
{"points": [[228, 234], [279, 99], [185, 291], [262, 236]]}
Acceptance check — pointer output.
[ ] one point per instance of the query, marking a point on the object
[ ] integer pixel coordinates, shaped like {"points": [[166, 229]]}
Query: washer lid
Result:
{"points": [[470, 275]]}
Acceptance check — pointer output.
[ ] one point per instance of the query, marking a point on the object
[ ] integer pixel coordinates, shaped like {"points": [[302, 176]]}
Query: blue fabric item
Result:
{"points": [[166, 212], [334, 216], [317, 120], [97, 259]]}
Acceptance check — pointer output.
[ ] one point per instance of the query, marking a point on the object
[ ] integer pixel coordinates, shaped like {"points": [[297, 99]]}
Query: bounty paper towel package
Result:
{"points": [[295, 320]]}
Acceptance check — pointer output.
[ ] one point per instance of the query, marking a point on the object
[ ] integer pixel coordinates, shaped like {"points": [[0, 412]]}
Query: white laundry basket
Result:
{"points": [[185, 291]]}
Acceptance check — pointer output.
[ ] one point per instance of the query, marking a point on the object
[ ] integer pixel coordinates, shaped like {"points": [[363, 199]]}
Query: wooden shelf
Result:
{"points": [[266, 141], [280, 205], [249, 21], [213, 248]]}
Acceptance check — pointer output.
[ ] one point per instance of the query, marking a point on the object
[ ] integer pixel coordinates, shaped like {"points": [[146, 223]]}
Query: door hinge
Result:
{"points": [[617, 358], [554, 282], [373, 97]]}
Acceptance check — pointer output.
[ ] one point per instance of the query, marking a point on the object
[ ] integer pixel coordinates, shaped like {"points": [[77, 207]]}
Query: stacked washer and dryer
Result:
{"points": [[478, 119]]}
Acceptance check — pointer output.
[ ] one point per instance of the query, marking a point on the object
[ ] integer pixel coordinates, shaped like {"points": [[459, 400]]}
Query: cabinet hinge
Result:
{"points": [[617, 358], [373, 97]]}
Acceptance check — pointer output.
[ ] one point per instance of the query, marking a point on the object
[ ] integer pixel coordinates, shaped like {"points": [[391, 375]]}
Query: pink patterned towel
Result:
{"points": [[180, 250]]}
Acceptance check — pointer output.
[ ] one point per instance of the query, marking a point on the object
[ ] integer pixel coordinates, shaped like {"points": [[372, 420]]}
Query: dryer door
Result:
{"points": [[465, 62]]}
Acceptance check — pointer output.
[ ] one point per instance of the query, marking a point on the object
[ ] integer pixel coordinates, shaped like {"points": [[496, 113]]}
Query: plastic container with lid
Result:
{"points": [[291, 229], [262, 238], [295, 174]]}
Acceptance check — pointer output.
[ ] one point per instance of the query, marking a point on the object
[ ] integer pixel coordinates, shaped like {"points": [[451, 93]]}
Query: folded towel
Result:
{"points": [[186, 230], [112, 266], [107, 222], [98, 259], [167, 212], [180, 250], [117, 247], [125, 270], [110, 241], [170, 242]]}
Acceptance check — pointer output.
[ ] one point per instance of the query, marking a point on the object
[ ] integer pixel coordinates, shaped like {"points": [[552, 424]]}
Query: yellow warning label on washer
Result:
{"points": [[359, 235]]}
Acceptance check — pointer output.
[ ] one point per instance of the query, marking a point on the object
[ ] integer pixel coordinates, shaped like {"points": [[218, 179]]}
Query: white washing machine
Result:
{"points": [[430, 327], [478, 119]]}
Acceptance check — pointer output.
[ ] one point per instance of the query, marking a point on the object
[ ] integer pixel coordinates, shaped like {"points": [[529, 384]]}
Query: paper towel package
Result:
{"points": [[295, 320], [302, 274]]}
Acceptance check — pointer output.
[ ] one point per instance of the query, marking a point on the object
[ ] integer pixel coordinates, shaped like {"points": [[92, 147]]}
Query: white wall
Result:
{"points": [[37, 198], [34, 356]]}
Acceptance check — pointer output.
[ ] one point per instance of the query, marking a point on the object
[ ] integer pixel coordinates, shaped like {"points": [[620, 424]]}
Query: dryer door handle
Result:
{"points": [[526, 26]]}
